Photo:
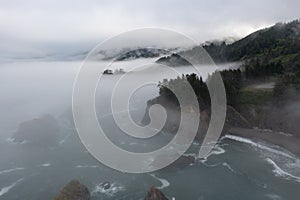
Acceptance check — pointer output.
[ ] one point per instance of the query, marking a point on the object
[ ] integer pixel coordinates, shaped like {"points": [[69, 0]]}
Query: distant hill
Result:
{"points": [[279, 43], [278, 40], [141, 53], [130, 54], [173, 60]]}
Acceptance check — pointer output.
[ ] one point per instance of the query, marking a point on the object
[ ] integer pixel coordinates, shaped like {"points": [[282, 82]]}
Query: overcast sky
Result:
{"points": [[28, 24]]}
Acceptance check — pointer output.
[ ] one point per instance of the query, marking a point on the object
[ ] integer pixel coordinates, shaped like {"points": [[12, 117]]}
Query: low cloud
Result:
{"points": [[44, 22]]}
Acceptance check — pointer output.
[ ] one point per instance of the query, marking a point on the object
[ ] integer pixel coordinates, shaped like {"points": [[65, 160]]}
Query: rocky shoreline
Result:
{"points": [[284, 140], [236, 124], [266, 123]]}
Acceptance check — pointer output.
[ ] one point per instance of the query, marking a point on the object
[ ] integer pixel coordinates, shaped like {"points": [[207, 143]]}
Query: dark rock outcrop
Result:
{"points": [[40, 131], [173, 113], [105, 185], [108, 71], [174, 116], [280, 118], [233, 118], [74, 190], [155, 194]]}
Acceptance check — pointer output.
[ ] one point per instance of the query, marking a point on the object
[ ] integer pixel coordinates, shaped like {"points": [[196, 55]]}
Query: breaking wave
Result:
{"points": [[280, 172], [6, 189], [11, 170], [164, 182], [114, 188]]}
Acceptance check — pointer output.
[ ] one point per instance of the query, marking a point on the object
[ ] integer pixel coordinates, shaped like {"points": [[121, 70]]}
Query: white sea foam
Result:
{"points": [[11, 170], [217, 150], [190, 154], [64, 139], [258, 145], [228, 166], [220, 164], [294, 165], [276, 151], [11, 140], [114, 188], [45, 165], [9, 187], [280, 172], [273, 196], [164, 182], [86, 166], [285, 134]]}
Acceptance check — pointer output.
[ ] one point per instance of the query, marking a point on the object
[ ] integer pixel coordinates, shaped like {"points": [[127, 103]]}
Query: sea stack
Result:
{"points": [[74, 190], [155, 194]]}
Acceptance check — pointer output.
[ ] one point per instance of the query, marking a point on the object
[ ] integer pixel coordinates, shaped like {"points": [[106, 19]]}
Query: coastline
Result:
{"points": [[236, 125], [286, 141]]}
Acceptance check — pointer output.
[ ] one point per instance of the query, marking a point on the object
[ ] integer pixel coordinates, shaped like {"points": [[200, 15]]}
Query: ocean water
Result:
{"points": [[237, 168]]}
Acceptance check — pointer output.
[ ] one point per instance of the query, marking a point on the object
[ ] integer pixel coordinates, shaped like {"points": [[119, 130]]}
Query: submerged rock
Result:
{"points": [[108, 71], [155, 194], [105, 185], [74, 190]]}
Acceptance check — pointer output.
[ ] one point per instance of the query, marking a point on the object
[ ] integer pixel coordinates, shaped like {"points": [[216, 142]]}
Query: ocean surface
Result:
{"points": [[237, 168]]}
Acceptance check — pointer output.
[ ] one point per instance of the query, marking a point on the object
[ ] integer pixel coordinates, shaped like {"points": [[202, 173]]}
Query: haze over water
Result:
{"points": [[32, 90]]}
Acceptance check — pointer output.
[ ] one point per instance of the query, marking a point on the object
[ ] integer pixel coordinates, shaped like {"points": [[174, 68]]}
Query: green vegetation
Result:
{"points": [[236, 94], [269, 53], [231, 79], [287, 86], [233, 83], [256, 97], [199, 86], [267, 44], [255, 68]]}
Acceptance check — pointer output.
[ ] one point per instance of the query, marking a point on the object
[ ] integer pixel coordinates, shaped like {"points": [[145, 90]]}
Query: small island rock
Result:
{"points": [[74, 190], [155, 194]]}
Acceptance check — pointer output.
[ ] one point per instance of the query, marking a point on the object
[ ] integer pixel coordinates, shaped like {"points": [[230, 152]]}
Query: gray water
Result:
{"points": [[235, 169]]}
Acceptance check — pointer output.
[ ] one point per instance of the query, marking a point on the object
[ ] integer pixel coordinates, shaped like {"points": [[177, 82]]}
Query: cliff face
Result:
{"points": [[282, 118], [233, 118], [74, 190], [174, 115], [279, 118]]}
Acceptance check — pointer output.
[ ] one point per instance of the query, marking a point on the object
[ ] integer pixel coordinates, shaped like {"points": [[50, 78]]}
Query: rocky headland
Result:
{"points": [[267, 123]]}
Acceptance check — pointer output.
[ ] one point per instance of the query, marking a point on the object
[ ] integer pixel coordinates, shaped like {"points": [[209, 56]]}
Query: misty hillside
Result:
{"points": [[126, 54], [281, 41], [279, 44]]}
